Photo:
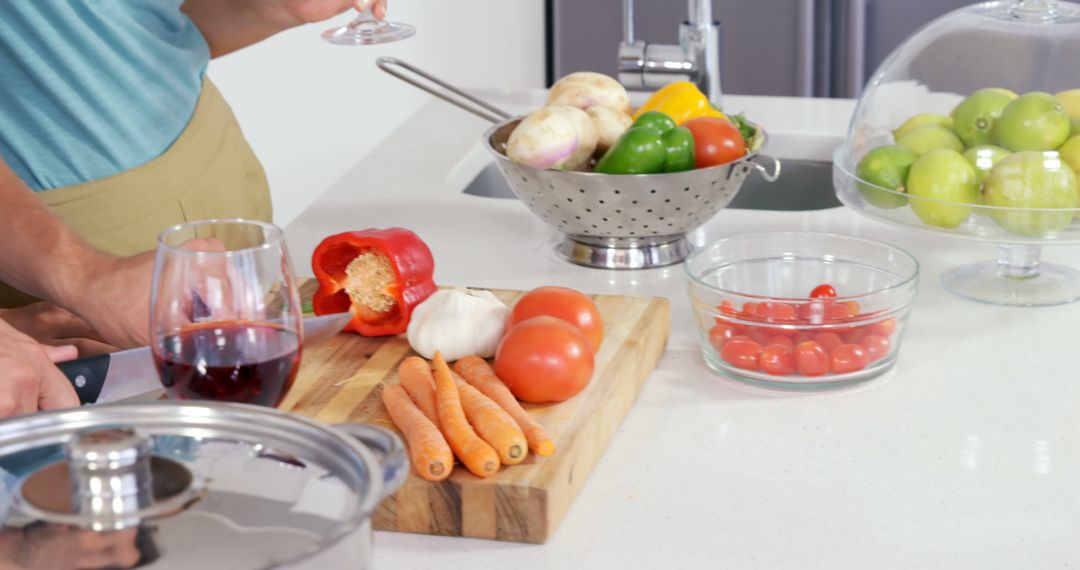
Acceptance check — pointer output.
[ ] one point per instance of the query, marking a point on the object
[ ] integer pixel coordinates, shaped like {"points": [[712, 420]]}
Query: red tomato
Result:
{"points": [[544, 359], [742, 354], [828, 340], [781, 340], [884, 328], [727, 308], [876, 346], [848, 358], [569, 305], [802, 337], [777, 360], [719, 335], [853, 307], [742, 337], [823, 291], [716, 141], [811, 359]]}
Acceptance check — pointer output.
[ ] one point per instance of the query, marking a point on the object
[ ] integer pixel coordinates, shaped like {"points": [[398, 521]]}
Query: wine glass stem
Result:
{"points": [[1018, 261], [365, 17]]}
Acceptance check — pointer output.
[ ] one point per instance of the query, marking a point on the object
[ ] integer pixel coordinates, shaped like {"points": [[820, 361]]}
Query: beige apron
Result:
{"points": [[209, 172]]}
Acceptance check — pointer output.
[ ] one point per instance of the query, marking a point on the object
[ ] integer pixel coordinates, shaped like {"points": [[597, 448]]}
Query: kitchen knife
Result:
{"points": [[130, 373]]}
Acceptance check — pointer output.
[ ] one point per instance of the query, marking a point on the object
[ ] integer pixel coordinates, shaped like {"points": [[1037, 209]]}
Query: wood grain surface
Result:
{"points": [[521, 503]]}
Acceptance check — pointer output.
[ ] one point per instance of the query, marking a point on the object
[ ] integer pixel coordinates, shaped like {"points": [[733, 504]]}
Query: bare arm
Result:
{"points": [[47, 259], [229, 25]]}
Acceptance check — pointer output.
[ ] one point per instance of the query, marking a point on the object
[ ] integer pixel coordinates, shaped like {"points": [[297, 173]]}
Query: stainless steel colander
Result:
{"points": [[610, 221]]}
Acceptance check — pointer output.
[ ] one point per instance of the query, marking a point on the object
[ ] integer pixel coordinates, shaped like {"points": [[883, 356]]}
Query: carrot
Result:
{"points": [[477, 372], [415, 376], [427, 447], [493, 424], [474, 452]]}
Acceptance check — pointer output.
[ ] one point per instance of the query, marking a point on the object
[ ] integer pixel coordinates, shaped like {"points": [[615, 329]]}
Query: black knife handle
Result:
{"points": [[87, 375]]}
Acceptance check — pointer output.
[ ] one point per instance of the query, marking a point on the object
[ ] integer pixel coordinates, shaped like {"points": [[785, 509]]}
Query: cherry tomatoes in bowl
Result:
{"points": [[716, 141], [544, 359], [569, 305]]}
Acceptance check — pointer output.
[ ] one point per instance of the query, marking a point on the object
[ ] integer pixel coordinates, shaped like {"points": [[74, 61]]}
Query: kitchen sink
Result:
{"points": [[803, 185]]}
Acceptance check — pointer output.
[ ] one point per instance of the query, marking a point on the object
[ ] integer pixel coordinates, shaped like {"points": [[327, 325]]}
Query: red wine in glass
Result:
{"points": [[230, 361]]}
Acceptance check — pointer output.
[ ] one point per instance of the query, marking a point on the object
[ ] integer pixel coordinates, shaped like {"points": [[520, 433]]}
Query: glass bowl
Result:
{"points": [[986, 100], [759, 286]]}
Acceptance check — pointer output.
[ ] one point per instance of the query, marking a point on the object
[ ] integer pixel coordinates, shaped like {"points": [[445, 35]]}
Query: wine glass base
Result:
{"points": [[983, 282], [368, 33]]}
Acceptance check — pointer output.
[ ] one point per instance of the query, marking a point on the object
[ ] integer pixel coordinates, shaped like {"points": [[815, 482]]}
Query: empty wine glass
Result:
{"points": [[225, 312], [366, 29]]}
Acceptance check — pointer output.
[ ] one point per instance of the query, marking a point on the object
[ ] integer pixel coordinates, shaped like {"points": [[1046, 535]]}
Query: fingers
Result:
{"points": [[55, 391], [379, 10], [61, 353]]}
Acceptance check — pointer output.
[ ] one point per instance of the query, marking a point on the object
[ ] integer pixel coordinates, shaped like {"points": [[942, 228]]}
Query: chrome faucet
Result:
{"points": [[643, 65]]}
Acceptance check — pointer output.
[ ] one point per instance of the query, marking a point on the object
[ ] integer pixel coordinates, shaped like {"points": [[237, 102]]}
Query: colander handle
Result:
{"points": [[768, 176], [449, 93]]}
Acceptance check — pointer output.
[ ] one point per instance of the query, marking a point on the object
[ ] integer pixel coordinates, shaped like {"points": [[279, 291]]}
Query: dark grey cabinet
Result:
{"points": [[822, 48]]}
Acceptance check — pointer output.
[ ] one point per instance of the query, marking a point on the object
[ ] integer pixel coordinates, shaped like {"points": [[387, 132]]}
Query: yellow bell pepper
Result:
{"points": [[681, 101]]}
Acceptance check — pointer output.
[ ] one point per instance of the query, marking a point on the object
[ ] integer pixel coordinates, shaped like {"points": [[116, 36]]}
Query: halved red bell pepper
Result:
{"points": [[378, 275]]}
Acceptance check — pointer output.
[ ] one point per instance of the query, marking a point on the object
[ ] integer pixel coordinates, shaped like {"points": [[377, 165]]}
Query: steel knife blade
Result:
{"points": [[130, 373]]}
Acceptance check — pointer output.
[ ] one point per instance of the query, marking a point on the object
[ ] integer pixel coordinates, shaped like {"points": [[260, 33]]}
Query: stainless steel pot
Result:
{"points": [[195, 485]]}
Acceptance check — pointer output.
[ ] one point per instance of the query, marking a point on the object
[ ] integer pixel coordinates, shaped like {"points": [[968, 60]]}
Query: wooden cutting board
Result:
{"points": [[521, 503]]}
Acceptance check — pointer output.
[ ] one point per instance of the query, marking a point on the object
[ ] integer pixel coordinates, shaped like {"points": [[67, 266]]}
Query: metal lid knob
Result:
{"points": [[110, 472]]}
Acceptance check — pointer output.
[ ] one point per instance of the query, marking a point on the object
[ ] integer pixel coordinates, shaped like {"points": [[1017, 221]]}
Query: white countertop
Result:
{"points": [[966, 456]]}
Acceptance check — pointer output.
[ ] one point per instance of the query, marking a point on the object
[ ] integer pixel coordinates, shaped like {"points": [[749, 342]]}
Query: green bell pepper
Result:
{"points": [[638, 151], [679, 147], [655, 121]]}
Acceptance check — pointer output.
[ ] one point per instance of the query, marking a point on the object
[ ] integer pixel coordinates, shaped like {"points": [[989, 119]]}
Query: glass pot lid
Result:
{"points": [[188, 485]]}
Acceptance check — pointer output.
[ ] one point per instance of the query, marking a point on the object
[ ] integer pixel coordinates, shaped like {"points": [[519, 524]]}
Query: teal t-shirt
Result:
{"points": [[91, 88]]}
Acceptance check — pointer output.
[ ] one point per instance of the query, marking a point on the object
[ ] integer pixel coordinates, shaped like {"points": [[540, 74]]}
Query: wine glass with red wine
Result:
{"points": [[225, 313]]}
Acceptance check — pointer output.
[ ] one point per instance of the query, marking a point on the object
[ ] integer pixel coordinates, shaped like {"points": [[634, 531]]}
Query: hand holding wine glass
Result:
{"points": [[225, 312], [369, 28]]}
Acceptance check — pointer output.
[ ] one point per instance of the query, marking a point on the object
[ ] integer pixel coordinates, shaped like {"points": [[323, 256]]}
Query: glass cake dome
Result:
{"points": [[971, 129]]}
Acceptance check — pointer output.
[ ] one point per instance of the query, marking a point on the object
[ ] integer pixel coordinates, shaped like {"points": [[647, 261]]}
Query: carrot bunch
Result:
{"points": [[470, 414]]}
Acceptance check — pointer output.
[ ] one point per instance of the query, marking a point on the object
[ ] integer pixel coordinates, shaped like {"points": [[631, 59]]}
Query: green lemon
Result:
{"points": [[983, 158], [923, 120], [884, 167], [924, 139], [1070, 100], [946, 182], [1070, 153], [974, 117], [1032, 121], [1032, 179]]}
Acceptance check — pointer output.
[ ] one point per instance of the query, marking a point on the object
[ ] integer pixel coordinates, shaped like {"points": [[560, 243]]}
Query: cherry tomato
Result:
{"points": [[749, 311], [884, 328], [569, 305], [759, 335], [828, 340], [837, 312], [848, 358], [716, 141], [855, 336], [823, 291], [719, 335], [544, 359], [876, 346], [853, 307], [742, 354], [802, 337], [811, 359], [812, 313], [742, 337], [781, 340], [777, 360], [727, 309], [777, 312]]}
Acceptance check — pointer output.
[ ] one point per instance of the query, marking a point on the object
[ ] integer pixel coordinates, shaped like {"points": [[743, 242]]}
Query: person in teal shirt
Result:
{"points": [[109, 133]]}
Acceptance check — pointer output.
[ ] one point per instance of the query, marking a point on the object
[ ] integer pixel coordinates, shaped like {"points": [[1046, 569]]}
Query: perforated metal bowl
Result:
{"points": [[623, 221]]}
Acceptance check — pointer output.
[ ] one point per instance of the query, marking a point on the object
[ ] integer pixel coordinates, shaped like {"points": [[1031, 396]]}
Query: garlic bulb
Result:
{"points": [[458, 322]]}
